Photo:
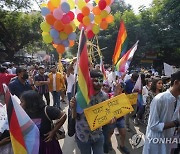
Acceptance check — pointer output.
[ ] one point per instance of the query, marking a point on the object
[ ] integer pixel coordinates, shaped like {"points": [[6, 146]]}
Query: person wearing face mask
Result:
{"points": [[21, 83]]}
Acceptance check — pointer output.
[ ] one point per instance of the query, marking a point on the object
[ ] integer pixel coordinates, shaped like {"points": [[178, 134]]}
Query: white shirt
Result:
{"points": [[162, 110], [111, 78], [70, 81], [144, 94], [13, 70], [9, 71], [54, 82]]}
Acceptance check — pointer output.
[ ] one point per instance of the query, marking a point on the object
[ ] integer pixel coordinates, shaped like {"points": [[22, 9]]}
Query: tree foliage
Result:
{"points": [[156, 28]]}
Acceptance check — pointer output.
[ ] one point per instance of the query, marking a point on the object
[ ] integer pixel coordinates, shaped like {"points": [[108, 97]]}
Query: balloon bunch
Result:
{"points": [[62, 17], [59, 27], [94, 18]]}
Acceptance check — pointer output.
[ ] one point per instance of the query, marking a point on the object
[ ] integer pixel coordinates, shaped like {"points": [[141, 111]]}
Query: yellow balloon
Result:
{"points": [[73, 26], [63, 36], [43, 5], [97, 1], [45, 26], [104, 14], [97, 19], [47, 38], [76, 22], [55, 3], [44, 33], [81, 4], [95, 29], [71, 4]]}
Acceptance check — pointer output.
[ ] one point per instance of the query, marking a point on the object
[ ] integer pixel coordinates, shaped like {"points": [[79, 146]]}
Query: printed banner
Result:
{"points": [[133, 98], [102, 113]]}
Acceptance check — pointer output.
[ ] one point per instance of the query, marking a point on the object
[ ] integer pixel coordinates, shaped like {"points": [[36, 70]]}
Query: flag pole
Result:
{"points": [[76, 72]]}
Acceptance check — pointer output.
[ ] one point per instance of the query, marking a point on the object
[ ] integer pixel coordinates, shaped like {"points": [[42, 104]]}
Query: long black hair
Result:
{"points": [[154, 82], [34, 103]]}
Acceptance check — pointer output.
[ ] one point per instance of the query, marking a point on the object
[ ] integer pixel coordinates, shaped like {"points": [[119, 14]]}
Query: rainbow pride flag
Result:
{"points": [[123, 64], [24, 133], [121, 43], [84, 86]]}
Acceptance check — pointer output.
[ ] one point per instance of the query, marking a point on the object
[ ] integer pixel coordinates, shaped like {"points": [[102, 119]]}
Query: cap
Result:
{"points": [[41, 66]]}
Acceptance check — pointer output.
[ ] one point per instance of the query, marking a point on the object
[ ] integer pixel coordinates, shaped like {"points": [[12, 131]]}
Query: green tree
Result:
{"points": [[18, 30]]}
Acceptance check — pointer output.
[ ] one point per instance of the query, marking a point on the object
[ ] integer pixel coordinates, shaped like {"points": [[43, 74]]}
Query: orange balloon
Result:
{"points": [[85, 11], [108, 2], [104, 25], [68, 29], [50, 19], [109, 18], [60, 49], [50, 6], [58, 25], [55, 45], [96, 10], [86, 21], [71, 43]]}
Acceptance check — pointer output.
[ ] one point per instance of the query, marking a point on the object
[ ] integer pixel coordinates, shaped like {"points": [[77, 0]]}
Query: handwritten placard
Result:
{"points": [[133, 98], [101, 114]]}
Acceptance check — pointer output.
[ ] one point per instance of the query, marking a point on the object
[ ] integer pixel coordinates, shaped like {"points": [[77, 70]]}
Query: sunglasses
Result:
{"points": [[97, 80], [105, 85]]}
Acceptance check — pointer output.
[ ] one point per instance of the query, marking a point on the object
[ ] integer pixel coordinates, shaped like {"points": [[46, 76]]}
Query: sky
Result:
{"points": [[134, 3], [137, 3]]}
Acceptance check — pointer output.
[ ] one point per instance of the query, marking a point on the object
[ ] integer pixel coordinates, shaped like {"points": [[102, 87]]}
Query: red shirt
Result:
{"points": [[5, 78]]}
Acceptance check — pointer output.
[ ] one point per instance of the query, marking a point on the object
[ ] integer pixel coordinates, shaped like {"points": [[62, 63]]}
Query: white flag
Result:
{"points": [[138, 84], [168, 69]]}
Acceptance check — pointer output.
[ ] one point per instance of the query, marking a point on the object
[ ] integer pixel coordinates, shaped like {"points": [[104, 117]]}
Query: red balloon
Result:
{"points": [[102, 4], [80, 17], [90, 34], [71, 15], [65, 19]]}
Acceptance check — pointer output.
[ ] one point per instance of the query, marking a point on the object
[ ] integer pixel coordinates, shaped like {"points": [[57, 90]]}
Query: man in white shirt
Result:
{"points": [[163, 119], [70, 77]]}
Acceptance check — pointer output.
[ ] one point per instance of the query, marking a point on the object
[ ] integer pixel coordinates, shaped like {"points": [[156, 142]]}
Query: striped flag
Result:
{"points": [[102, 69], [123, 64], [84, 86], [24, 133], [121, 43]]}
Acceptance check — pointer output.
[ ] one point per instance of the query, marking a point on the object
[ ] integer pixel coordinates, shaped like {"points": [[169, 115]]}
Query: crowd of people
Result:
{"points": [[159, 109]]}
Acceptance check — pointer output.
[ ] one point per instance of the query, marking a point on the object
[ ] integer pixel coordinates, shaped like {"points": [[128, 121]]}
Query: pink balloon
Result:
{"points": [[89, 27], [108, 9], [81, 25], [90, 6], [112, 1], [58, 14], [77, 11], [65, 19]]}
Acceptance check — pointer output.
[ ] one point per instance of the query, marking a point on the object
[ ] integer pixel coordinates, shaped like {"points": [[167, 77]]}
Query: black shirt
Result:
{"points": [[44, 88], [43, 122]]}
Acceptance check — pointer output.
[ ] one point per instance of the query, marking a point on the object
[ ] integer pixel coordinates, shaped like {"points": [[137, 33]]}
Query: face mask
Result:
{"points": [[25, 76]]}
